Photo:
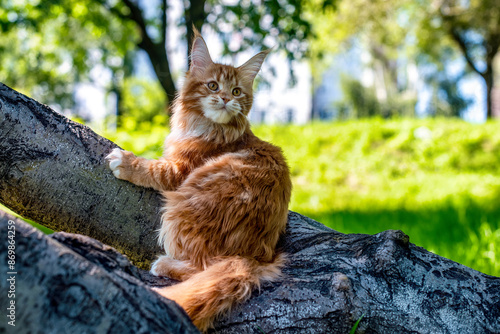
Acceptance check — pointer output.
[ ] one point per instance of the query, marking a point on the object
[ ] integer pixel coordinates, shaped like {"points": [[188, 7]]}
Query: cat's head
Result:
{"points": [[217, 94]]}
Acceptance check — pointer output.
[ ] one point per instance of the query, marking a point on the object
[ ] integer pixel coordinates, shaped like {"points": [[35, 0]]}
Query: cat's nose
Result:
{"points": [[225, 98]]}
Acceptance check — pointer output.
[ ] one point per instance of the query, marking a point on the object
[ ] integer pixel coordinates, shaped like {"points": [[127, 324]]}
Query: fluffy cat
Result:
{"points": [[227, 192]]}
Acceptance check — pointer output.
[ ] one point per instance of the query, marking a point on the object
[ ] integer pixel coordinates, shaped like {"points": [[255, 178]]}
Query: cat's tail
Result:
{"points": [[211, 293]]}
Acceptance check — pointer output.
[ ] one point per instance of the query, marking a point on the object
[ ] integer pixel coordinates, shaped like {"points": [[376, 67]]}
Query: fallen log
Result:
{"points": [[52, 170]]}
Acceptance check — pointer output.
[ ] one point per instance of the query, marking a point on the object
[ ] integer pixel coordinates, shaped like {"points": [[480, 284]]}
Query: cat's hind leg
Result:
{"points": [[175, 269]]}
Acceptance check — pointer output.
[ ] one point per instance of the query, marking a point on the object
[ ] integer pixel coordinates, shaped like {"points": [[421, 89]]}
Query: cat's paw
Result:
{"points": [[121, 164], [175, 269], [154, 268], [161, 266], [115, 159]]}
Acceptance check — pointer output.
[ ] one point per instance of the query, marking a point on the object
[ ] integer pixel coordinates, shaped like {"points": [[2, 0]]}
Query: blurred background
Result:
{"points": [[385, 109]]}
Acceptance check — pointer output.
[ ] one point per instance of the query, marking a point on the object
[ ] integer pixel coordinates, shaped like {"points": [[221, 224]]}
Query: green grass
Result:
{"points": [[34, 224], [356, 324], [369, 176], [438, 180]]}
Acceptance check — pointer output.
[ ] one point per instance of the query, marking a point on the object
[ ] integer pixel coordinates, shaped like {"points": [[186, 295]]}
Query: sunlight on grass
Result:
{"points": [[144, 139], [437, 180], [441, 188], [32, 223]]}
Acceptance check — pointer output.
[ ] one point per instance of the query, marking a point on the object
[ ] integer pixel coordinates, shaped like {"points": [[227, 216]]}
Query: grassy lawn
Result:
{"points": [[438, 180]]}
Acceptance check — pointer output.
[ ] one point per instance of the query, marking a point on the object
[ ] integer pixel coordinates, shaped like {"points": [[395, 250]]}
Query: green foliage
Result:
{"points": [[423, 33], [49, 46], [143, 100], [437, 180], [276, 23], [446, 100], [474, 24], [361, 102]]}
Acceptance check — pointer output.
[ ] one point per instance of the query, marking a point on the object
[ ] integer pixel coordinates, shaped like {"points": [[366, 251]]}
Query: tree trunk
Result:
{"points": [[159, 59], [156, 51], [488, 78], [195, 16], [53, 289], [330, 281]]}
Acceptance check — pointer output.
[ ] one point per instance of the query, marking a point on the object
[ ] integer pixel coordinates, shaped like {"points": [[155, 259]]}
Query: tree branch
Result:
{"points": [[137, 16], [156, 51], [52, 170], [91, 290], [164, 8], [455, 34], [448, 14], [195, 16]]}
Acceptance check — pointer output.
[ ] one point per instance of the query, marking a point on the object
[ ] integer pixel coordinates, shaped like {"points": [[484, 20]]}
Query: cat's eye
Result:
{"points": [[236, 92], [212, 85]]}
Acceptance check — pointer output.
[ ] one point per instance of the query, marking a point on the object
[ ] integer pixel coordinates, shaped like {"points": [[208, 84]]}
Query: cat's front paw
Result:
{"points": [[115, 160], [120, 163]]}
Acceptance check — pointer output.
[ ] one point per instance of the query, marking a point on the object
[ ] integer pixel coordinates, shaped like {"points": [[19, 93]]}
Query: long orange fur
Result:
{"points": [[227, 192]]}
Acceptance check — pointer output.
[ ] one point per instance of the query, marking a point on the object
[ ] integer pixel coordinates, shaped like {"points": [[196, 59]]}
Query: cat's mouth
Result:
{"points": [[226, 108], [219, 114]]}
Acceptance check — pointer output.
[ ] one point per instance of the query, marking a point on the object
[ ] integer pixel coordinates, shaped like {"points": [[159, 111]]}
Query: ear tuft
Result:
{"points": [[200, 57], [253, 65]]}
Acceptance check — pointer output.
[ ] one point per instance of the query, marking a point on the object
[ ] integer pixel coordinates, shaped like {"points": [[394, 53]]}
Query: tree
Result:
{"points": [[431, 34], [475, 28], [377, 29], [49, 46], [85, 33], [53, 170]]}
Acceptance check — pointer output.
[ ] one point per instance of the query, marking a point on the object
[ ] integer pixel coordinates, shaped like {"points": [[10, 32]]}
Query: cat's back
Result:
{"points": [[261, 154], [250, 161], [260, 167]]}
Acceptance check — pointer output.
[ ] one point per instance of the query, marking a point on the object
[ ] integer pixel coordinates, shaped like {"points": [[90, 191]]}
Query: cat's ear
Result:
{"points": [[252, 66], [200, 57]]}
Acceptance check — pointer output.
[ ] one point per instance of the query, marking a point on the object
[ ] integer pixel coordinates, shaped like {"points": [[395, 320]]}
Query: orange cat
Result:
{"points": [[226, 191]]}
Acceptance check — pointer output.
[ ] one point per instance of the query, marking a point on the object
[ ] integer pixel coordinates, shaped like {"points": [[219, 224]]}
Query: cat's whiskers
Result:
{"points": [[238, 111]]}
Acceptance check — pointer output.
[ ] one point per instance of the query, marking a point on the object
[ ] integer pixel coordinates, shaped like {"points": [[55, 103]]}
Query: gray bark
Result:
{"points": [[52, 171], [95, 290], [69, 281], [330, 281]]}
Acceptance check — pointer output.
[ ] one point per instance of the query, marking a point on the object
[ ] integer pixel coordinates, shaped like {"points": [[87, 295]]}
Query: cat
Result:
{"points": [[227, 192]]}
